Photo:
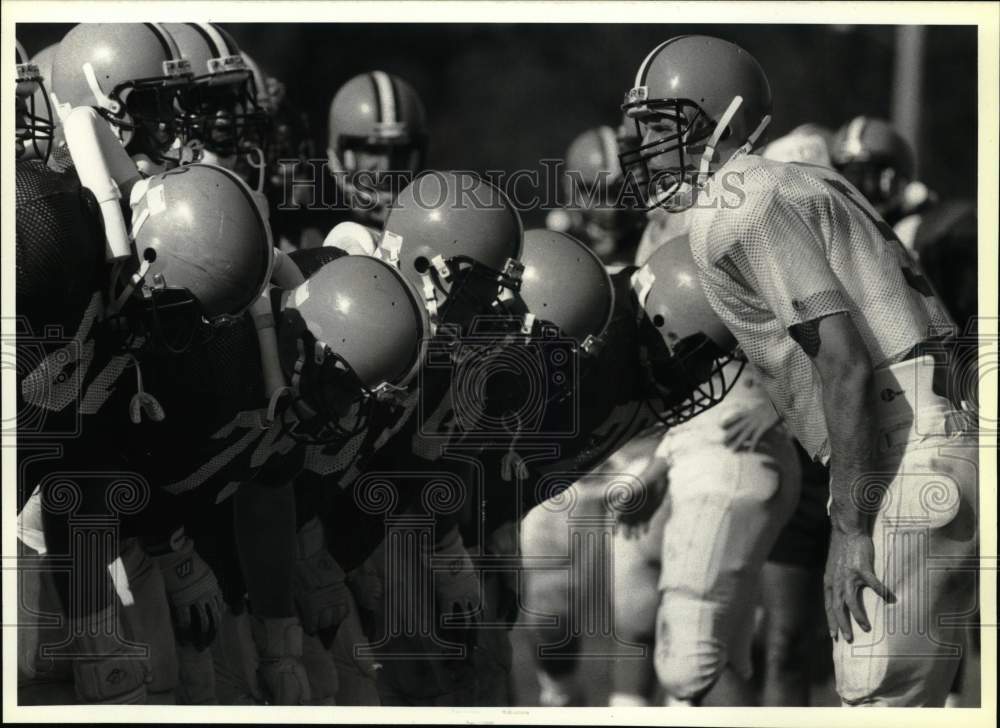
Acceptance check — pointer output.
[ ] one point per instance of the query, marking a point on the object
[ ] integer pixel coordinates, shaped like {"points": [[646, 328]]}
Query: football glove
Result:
{"points": [[196, 601], [321, 592]]}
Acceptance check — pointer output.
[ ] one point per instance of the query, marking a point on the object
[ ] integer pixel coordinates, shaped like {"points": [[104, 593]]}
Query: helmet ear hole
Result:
{"points": [[421, 264], [149, 255], [658, 321]]}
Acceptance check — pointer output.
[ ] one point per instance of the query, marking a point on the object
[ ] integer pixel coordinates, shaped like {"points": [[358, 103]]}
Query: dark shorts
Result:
{"points": [[805, 538]]}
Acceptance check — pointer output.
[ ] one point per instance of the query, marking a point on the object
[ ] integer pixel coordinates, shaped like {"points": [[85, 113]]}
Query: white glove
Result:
{"points": [[282, 675], [321, 592], [196, 601]]}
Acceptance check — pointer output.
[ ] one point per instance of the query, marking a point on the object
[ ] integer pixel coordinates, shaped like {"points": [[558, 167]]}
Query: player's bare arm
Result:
{"points": [[839, 355]]}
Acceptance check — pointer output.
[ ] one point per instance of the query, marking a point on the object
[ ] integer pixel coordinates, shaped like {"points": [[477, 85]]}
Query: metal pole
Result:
{"points": [[907, 86]]}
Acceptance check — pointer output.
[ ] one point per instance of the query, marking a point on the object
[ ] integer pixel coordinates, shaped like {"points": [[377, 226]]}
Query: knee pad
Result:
{"points": [[110, 681], [114, 677], [636, 597], [544, 533], [690, 651]]}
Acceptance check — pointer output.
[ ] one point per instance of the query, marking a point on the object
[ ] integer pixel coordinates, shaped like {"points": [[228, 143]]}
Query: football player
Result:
{"points": [[875, 158], [940, 235], [846, 335], [717, 471], [596, 211], [85, 375], [456, 238], [220, 111], [377, 142], [133, 75]]}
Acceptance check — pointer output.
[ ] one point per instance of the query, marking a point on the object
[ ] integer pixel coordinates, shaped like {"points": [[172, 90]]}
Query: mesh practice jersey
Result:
{"points": [[782, 244]]}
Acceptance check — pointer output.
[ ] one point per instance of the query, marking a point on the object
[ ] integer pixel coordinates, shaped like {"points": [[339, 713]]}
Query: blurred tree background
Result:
{"points": [[504, 96]]}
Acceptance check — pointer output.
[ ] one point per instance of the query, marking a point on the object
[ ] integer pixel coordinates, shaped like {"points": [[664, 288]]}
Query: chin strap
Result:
{"points": [[136, 281], [709, 154]]}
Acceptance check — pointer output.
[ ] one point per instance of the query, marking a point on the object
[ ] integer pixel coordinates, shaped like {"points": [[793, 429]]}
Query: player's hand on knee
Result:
{"points": [[280, 671], [744, 430], [196, 602], [321, 593], [849, 569]]}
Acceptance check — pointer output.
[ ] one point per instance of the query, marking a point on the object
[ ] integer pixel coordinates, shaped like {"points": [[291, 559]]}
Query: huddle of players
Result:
{"points": [[267, 384]]}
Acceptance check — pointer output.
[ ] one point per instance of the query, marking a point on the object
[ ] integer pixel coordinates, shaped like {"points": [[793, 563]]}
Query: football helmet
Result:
{"points": [[131, 73], [565, 285], [592, 161], [696, 102], [457, 239], [599, 213], [876, 159], [203, 249], [354, 333], [220, 109], [684, 347], [808, 143], [377, 128], [33, 125]]}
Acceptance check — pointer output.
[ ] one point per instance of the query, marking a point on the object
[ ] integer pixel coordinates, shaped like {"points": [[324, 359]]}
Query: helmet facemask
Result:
{"points": [[220, 112], [461, 289], [687, 378], [372, 188], [330, 401], [142, 111], [673, 178], [34, 126]]}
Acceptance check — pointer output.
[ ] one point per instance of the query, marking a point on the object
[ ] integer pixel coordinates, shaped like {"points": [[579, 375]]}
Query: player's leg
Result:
{"points": [[791, 592], [265, 535], [40, 619], [636, 599], [143, 597], [925, 539], [726, 510], [545, 533], [108, 663]]}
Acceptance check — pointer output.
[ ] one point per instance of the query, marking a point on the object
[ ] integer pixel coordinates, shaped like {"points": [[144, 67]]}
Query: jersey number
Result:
{"points": [[913, 277]]}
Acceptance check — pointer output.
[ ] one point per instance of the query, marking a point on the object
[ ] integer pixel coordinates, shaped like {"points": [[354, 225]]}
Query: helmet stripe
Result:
{"points": [[378, 105], [609, 148], [221, 45], [386, 96], [166, 40], [852, 139], [640, 76]]}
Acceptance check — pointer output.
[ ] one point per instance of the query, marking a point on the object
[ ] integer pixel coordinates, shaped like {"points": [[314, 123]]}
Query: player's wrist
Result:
{"points": [[848, 521]]}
